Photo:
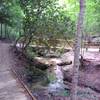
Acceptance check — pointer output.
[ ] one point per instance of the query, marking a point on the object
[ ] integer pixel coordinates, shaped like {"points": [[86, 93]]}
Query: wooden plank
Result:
{"points": [[24, 86]]}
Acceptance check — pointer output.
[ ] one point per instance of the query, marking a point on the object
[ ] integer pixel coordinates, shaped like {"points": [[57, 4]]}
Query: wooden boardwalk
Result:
{"points": [[10, 87]]}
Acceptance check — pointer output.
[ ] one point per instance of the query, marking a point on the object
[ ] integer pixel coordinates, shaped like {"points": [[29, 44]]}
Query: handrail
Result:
{"points": [[23, 84]]}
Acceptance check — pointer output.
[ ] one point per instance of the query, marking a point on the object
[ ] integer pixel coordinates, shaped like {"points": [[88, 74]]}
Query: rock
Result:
{"points": [[65, 63], [67, 76], [85, 80], [52, 55], [40, 65], [34, 75], [41, 94]]}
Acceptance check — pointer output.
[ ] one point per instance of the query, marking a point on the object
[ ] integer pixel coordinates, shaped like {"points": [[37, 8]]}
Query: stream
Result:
{"points": [[89, 76], [56, 85]]}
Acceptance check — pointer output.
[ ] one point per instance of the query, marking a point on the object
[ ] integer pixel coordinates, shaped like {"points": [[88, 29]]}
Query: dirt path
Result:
{"points": [[10, 88]]}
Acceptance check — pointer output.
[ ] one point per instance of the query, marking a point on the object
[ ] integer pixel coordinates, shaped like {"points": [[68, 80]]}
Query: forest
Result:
{"points": [[51, 47]]}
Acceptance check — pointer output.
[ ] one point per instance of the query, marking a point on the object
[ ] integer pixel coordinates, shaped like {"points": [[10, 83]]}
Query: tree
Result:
{"points": [[45, 21], [77, 51], [11, 17]]}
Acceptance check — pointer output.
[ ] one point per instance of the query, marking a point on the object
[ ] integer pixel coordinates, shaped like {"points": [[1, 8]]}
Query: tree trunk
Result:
{"points": [[77, 51], [1, 30], [29, 41], [5, 30]]}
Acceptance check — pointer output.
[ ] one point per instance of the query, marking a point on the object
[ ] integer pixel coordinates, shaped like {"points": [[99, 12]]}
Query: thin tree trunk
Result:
{"points": [[1, 30], [5, 30], [77, 51], [27, 44]]}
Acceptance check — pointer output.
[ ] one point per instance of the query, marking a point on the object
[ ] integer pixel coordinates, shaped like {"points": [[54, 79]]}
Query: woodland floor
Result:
{"points": [[10, 88]]}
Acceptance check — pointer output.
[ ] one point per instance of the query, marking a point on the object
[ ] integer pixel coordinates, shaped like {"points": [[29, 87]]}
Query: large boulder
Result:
{"points": [[90, 77]]}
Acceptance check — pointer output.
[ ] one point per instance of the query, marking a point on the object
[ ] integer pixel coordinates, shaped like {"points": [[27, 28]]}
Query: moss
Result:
{"points": [[35, 75], [30, 52], [65, 93], [51, 77]]}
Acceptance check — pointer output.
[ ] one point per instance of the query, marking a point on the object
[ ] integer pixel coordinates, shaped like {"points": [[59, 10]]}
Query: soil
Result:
{"points": [[10, 87], [90, 75]]}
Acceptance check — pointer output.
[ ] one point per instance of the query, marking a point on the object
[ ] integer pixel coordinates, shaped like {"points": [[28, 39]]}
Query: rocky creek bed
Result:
{"points": [[58, 87]]}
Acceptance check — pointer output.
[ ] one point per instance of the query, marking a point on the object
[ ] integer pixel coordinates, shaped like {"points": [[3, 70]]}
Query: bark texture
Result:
{"points": [[77, 50]]}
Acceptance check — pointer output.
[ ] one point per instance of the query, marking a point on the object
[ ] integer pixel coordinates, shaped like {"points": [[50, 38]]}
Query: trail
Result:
{"points": [[10, 88]]}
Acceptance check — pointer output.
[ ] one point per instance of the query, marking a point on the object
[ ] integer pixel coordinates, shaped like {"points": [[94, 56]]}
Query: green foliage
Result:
{"points": [[35, 75], [30, 53], [92, 17], [48, 18], [10, 12], [65, 93], [51, 77], [4, 14], [11, 15]]}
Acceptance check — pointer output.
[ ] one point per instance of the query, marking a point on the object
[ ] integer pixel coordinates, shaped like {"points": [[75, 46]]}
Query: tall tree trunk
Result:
{"points": [[5, 30], [7, 33], [1, 30], [77, 51]]}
